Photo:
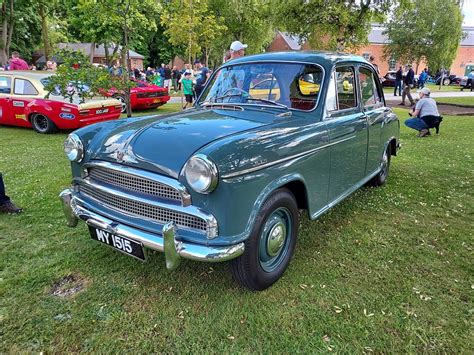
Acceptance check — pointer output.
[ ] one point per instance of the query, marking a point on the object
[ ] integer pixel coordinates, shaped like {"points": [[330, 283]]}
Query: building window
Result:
{"points": [[392, 64], [366, 56]]}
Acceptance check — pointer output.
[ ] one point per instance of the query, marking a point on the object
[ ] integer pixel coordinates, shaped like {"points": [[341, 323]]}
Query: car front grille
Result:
{"points": [[140, 209], [134, 183]]}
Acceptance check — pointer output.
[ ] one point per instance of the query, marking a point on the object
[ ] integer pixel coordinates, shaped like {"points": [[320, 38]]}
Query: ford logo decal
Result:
{"points": [[67, 116]]}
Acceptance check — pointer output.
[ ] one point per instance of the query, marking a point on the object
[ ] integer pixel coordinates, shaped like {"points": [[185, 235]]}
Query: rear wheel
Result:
{"points": [[269, 249], [123, 103], [381, 177], [42, 124]]}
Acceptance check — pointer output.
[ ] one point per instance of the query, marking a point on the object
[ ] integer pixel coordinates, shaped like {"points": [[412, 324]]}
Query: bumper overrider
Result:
{"points": [[166, 241]]}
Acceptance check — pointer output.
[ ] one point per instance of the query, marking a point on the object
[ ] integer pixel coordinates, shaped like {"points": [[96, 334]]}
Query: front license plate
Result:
{"points": [[102, 110], [125, 245], [155, 101]]}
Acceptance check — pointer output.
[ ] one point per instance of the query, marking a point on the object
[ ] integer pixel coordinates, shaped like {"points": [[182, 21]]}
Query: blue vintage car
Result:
{"points": [[270, 134]]}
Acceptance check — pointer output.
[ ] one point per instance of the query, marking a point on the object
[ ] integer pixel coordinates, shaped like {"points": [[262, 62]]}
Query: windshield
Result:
{"points": [[287, 85]]}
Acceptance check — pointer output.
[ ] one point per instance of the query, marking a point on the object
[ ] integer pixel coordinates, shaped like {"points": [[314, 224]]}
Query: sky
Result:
{"points": [[468, 12]]}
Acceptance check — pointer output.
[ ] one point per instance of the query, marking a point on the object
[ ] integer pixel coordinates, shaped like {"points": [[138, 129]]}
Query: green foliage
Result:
{"points": [[78, 78], [105, 21], [189, 23], [426, 29], [249, 21], [334, 25]]}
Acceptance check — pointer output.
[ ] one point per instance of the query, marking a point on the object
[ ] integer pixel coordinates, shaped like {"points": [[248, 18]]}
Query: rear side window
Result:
{"points": [[345, 85], [24, 87], [5, 85], [368, 88]]}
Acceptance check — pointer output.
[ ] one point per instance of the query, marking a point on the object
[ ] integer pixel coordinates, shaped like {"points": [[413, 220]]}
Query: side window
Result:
{"points": [[24, 87], [5, 85], [368, 88], [345, 85]]}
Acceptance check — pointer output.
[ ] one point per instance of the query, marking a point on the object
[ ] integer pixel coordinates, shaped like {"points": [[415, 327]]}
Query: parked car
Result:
{"points": [[225, 180], [23, 103], [142, 96], [448, 80], [464, 84], [388, 79]]}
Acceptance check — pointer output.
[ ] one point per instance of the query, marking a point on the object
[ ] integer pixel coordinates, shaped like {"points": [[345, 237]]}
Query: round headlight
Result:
{"points": [[73, 148], [201, 174]]}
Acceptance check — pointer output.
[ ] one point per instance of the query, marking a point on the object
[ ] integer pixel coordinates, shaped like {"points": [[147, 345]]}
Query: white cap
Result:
{"points": [[237, 46], [425, 91]]}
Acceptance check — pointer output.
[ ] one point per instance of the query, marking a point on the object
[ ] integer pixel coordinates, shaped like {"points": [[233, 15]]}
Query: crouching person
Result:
{"points": [[6, 206], [425, 114]]}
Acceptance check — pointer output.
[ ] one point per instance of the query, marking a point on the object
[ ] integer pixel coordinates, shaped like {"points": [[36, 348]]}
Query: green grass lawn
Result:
{"points": [[432, 87], [469, 101], [388, 270], [166, 108]]}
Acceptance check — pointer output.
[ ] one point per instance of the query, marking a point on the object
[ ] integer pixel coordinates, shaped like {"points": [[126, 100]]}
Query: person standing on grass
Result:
{"points": [[372, 61], [425, 113], [187, 84], [409, 82], [175, 75], [398, 82], [6, 205], [167, 77], [422, 79]]}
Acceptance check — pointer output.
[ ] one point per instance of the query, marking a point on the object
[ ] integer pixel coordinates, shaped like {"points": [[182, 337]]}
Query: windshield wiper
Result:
{"points": [[267, 102]]}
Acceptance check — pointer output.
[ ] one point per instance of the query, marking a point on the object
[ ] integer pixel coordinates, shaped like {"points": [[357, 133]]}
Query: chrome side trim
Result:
{"points": [[210, 220], [165, 242], [299, 155], [185, 196]]}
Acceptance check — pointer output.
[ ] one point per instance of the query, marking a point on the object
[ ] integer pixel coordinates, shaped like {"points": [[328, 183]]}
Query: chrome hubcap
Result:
{"points": [[276, 239]]}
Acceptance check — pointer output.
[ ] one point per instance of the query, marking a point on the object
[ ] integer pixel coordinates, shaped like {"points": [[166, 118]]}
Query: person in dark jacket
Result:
{"points": [[409, 82], [6, 205], [398, 82]]}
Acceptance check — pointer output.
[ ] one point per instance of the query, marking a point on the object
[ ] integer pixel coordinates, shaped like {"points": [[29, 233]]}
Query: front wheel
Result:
{"points": [[269, 248], [42, 124], [381, 177]]}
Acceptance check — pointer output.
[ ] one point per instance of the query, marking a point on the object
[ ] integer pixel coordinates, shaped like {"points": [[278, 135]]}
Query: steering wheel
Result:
{"points": [[242, 92]]}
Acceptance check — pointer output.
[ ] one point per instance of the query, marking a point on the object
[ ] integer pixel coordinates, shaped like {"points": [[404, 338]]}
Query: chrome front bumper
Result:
{"points": [[166, 242]]}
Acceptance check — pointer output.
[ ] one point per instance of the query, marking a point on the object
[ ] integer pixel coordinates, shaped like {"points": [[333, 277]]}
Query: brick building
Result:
{"points": [[96, 52], [377, 40]]}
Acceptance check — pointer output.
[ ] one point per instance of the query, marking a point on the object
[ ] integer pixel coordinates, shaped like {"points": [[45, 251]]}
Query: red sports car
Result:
{"points": [[143, 96], [23, 103]]}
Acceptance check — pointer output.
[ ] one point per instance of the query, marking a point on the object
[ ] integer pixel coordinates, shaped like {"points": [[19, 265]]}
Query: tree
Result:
{"points": [[7, 16], [426, 29], [78, 78], [249, 21], [189, 23], [334, 25]]}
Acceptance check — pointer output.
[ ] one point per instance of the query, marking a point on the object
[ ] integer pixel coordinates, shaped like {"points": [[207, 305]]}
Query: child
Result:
{"points": [[187, 89]]}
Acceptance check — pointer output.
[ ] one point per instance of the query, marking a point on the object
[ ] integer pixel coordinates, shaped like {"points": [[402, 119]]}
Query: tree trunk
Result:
{"points": [[107, 56], [92, 55], [44, 31], [7, 31], [126, 66]]}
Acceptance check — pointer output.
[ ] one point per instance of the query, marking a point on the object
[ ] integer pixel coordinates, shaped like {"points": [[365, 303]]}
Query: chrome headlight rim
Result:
{"points": [[75, 153], [210, 166]]}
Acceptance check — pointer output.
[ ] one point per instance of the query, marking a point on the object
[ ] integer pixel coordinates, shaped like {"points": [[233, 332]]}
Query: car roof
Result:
{"points": [[319, 57], [33, 74]]}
